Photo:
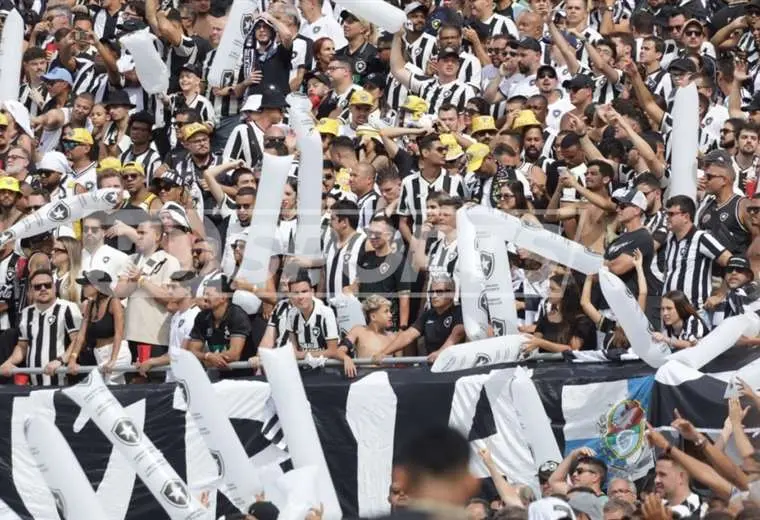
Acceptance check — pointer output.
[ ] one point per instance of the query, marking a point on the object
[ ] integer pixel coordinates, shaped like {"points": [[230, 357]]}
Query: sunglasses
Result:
{"points": [[45, 173], [130, 176], [439, 291], [164, 187], [69, 145], [41, 286], [245, 206], [734, 270], [693, 33]]}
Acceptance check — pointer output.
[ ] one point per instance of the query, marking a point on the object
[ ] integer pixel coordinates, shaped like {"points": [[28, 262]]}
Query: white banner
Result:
{"points": [[378, 12], [159, 477], [294, 412], [11, 52], [241, 482], [494, 262], [226, 62], [684, 142], [54, 214], [720, 339], [538, 240], [261, 234], [150, 67], [472, 284], [486, 352], [629, 315], [533, 419], [71, 490]]}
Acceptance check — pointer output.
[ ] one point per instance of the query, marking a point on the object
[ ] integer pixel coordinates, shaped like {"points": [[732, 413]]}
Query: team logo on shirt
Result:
{"points": [[315, 331], [126, 431], [51, 319], [106, 259], [447, 322], [486, 263], [60, 503], [7, 236], [723, 217], [182, 386], [417, 51], [483, 302], [316, 29], [708, 121], [181, 322], [556, 112], [384, 267], [360, 66], [482, 359], [60, 212], [175, 492]]}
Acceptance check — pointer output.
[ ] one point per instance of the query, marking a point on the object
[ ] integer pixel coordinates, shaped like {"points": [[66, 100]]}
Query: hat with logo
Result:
{"points": [[9, 184], [94, 277], [362, 97], [530, 44], [578, 81], [546, 68], [448, 52], [192, 68], [693, 21], [483, 124], [328, 126], [170, 178], [195, 128], [319, 76], [719, 157], [58, 74], [525, 118], [79, 135], [630, 196], [109, 163], [546, 470], [476, 154], [415, 104], [739, 262], [369, 131]]}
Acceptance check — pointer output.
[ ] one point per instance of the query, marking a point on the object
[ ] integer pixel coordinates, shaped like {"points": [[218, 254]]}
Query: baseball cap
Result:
{"points": [[693, 21], [79, 135], [413, 6], [483, 124], [546, 68], [328, 126], [476, 154], [191, 67], [100, 279], [735, 262], [530, 44], [362, 97], [683, 65], [415, 104], [58, 74], [9, 184], [319, 76], [719, 157], [369, 131], [375, 79], [448, 52], [630, 196], [546, 469], [133, 167], [169, 177], [525, 118], [195, 128], [550, 508], [53, 162], [578, 81], [109, 163], [587, 503], [754, 104]]}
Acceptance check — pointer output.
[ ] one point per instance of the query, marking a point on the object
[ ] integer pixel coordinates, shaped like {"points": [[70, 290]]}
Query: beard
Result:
{"points": [[727, 144], [532, 153], [523, 68]]}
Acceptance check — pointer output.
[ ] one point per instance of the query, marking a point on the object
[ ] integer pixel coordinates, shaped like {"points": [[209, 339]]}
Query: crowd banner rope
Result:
{"points": [[60, 212], [635, 324], [533, 419], [472, 284], [538, 240], [294, 412], [720, 339], [229, 53], [485, 352], [380, 13], [11, 52], [309, 144], [261, 234], [71, 491], [685, 142], [241, 483], [169, 490], [494, 263], [150, 67]]}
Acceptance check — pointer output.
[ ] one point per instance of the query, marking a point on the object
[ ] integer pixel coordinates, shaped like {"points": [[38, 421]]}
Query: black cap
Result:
{"points": [[168, 177], [754, 104], [183, 276], [191, 67], [719, 157], [264, 511], [94, 276], [546, 469], [530, 44], [752, 4], [578, 81], [319, 76], [546, 68], [375, 79], [683, 65], [448, 52], [118, 98], [740, 262], [271, 97]]}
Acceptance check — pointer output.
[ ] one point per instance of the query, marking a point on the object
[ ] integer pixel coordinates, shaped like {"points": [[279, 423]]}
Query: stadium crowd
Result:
{"points": [[558, 113]]}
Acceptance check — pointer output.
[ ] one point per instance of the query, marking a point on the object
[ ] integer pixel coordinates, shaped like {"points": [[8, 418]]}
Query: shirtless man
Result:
{"points": [[373, 338], [596, 212], [753, 251]]}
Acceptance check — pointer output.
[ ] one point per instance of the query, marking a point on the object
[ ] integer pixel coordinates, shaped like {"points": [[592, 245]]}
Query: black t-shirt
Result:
{"points": [[580, 327], [235, 323], [275, 69], [129, 215], [365, 61], [382, 275], [627, 243], [436, 328]]}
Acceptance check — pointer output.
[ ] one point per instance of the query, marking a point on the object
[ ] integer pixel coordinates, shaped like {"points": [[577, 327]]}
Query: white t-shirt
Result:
{"points": [[180, 327], [105, 258], [325, 27]]}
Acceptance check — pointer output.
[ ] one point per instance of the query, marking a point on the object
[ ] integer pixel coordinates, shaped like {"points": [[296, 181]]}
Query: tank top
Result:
{"points": [[724, 224], [145, 205], [103, 328]]}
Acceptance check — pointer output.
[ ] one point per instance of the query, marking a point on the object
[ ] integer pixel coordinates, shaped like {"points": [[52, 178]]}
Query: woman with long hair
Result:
{"points": [[512, 200], [682, 326], [324, 52], [67, 259], [101, 336], [563, 326], [99, 118], [476, 106]]}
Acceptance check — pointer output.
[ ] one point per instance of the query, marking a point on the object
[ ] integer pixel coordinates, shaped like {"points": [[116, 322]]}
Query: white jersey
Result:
{"points": [[181, 325]]}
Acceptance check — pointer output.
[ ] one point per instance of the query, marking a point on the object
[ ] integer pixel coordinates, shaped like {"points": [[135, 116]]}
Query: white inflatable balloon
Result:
{"points": [[750, 374], [381, 13], [260, 244], [247, 301], [494, 262], [95, 399], [300, 487], [54, 214], [241, 482], [348, 312], [71, 490], [486, 352], [150, 67], [533, 419], [294, 412], [720, 339], [11, 52], [635, 324], [6, 513], [229, 53], [472, 286], [684, 142], [538, 240]]}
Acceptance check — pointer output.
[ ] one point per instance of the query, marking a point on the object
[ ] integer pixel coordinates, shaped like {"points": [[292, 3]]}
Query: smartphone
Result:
{"points": [[80, 35]]}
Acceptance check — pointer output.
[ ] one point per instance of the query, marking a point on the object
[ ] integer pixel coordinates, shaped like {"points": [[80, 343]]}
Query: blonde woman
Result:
{"points": [[67, 260]]}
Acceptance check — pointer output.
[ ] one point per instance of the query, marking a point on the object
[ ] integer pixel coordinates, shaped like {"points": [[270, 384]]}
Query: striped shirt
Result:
{"points": [[48, 334], [25, 98], [693, 329], [246, 142], [500, 24], [659, 83], [421, 50], [415, 190], [224, 106], [341, 263], [367, 207], [149, 159], [279, 321], [437, 94], [314, 332], [442, 259], [688, 264]]}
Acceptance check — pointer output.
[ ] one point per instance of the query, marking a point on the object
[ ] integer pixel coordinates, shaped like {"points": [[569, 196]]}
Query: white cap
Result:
{"points": [[630, 196], [54, 162], [252, 103], [550, 509], [176, 213]]}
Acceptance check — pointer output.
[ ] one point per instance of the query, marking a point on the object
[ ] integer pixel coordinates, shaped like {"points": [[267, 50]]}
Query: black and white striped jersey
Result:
{"points": [[149, 159], [341, 262], [421, 50], [415, 190], [278, 320], [314, 332], [48, 335], [693, 329], [689, 263], [246, 142], [437, 94], [224, 106], [500, 24], [367, 207]]}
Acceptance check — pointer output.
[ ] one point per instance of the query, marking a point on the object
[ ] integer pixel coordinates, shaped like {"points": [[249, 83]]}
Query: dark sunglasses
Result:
{"points": [[693, 33], [164, 187], [198, 252], [734, 270], [245, 206], [45, 173], [130, 176], [44, 285], [439, 291]]}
